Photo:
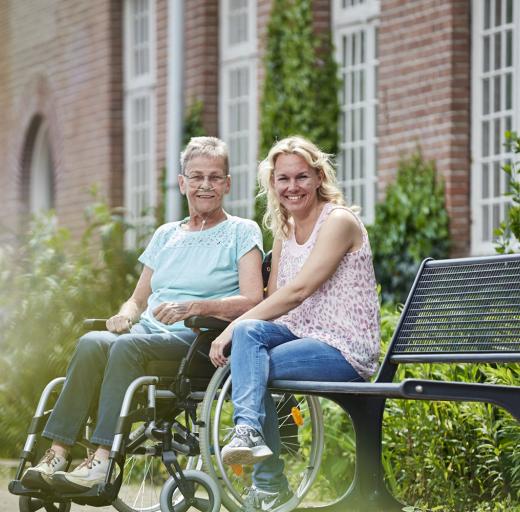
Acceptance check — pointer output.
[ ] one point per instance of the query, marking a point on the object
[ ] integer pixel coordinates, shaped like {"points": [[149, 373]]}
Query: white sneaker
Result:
{"points": [[247, 446], [38, 477], [89, 473]]}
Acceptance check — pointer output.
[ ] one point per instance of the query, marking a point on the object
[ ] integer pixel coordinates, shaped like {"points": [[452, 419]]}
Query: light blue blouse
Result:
{"points": [[196, 265]]}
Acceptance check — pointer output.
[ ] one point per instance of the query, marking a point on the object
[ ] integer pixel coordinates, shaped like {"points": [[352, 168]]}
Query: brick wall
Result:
{"points": [[61, 60], [201, 74], [424, 94]]}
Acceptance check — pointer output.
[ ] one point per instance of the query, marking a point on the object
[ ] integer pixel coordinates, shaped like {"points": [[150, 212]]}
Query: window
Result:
{"points": [[355, 34], [140, 173], [495, 109], [238, 100], [41, 178]]}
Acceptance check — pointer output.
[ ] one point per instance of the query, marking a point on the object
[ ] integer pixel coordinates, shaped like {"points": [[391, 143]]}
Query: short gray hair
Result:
{"points": [[210, 147]]}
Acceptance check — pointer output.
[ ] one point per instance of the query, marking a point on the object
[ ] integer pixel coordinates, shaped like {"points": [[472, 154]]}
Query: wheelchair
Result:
{"points": [[172, 424], [155, 441]]}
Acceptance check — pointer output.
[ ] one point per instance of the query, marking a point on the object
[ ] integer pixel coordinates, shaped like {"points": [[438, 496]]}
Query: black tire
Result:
{"points": [[172, 501], [301, 431], [27, 504]]}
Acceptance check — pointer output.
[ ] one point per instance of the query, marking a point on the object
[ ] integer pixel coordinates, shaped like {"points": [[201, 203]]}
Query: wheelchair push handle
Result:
{"points": [[95, 324]]}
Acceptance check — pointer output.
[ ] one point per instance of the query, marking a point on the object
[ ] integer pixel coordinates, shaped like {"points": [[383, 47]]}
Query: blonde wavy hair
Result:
{"points": [[276, 217]]}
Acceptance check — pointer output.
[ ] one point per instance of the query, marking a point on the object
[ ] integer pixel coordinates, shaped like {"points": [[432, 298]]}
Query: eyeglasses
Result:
{"points": [[195, 180]]}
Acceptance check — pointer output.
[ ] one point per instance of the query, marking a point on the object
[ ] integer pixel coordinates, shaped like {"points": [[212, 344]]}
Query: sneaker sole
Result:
{"points": [[245, 456]]}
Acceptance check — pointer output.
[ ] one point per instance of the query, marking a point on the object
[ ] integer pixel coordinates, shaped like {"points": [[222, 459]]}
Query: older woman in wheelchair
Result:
{"points": [[208, 264], [320, 320]]}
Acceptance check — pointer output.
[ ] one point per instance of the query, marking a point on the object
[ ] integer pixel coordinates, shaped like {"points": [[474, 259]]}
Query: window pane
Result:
{"points": [[487, 13], [487, 53], [485, 96], [498, 50], [485, 181], [498, 13]]}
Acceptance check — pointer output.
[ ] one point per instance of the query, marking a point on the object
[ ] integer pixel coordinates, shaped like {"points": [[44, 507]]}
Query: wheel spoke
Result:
{"points": [[181, 507], [35, 504], [202, 504], [51, 507]]}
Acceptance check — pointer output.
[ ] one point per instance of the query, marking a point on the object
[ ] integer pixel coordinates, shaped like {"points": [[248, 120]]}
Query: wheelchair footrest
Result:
{"points": [[98, 496], [16, 487]]}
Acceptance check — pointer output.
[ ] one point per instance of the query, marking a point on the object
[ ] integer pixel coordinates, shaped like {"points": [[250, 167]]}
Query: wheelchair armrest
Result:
{"points": [[206, 322], [95, 324]]}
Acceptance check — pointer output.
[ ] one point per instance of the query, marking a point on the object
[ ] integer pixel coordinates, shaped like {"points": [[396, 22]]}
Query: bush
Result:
{"points": [[410, 225], [49, 284], [437, 456], [509, 231]]}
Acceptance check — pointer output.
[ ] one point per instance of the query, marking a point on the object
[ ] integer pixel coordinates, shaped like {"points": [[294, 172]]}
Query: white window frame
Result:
{"points": [[478, 246], [347, 21], [233, 57], [136, 87]]}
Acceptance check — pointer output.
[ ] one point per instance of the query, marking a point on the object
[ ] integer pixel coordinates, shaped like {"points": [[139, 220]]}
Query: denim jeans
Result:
{"points": [[107, 363], [263, 351]]}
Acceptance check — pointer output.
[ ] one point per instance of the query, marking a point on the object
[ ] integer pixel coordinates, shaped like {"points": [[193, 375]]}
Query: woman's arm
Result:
{"points": [[131, 310], [275, 259], [227, 308], [339, 234]]}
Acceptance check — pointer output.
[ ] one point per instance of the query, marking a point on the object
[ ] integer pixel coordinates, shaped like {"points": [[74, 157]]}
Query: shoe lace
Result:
{"points": [[48, 456], [239, 431], [88, 462]]}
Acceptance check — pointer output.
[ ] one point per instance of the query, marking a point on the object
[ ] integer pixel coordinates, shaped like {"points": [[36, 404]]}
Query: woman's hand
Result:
{"points": [[218, 346], [119, 324], [171, 312]]}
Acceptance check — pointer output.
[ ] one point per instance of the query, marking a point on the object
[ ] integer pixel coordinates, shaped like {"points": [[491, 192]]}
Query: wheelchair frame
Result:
{"points": [[180, 397]]}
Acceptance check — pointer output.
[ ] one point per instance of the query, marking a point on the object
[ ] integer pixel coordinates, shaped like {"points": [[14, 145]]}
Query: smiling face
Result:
{"points": [[205, 184], [295, 184]]}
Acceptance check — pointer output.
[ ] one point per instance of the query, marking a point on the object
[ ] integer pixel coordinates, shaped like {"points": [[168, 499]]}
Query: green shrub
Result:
{"points": [[410, 225], [437, 456], [300, 92], [50, 283], [509, 231]]}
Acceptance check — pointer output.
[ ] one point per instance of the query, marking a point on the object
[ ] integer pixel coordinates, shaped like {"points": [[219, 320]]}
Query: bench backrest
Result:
{"points": [[464, 309]]}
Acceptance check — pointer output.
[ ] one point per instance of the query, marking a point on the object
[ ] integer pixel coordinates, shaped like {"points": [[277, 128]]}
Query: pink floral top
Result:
{"points": [[344, 311]]}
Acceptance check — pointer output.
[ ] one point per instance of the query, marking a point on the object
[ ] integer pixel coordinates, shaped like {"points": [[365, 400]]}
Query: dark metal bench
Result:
{"points": [[458, 310]]}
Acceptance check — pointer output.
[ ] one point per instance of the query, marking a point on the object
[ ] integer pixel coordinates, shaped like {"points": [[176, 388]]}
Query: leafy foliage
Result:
{"points": [[193, 127], [437, 456], [410, 225], [509, 231], [300, 94], [49, 284]]}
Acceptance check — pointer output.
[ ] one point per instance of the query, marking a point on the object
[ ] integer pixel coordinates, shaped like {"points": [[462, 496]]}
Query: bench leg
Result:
{"points": [[368, 492]]}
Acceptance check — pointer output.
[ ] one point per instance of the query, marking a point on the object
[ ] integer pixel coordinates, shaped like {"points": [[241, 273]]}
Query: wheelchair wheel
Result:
{"points": [[301, 431], [27, 504], [206, 497], [144, 474]]}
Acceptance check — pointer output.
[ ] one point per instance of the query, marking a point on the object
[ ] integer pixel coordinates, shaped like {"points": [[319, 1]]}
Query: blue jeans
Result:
{"points": [[107, 363], [264, 351]]}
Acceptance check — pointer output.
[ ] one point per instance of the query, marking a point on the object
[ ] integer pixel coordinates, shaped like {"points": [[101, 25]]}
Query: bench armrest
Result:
{"points": [[206, 322]]}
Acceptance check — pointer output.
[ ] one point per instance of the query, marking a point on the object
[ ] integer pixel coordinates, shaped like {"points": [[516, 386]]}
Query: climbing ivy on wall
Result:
{"points": [[300, 93]]}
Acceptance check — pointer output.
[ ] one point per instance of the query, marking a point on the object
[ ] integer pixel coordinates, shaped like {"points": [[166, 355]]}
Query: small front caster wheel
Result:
{"points": [[201, 494], [27, 504]]}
